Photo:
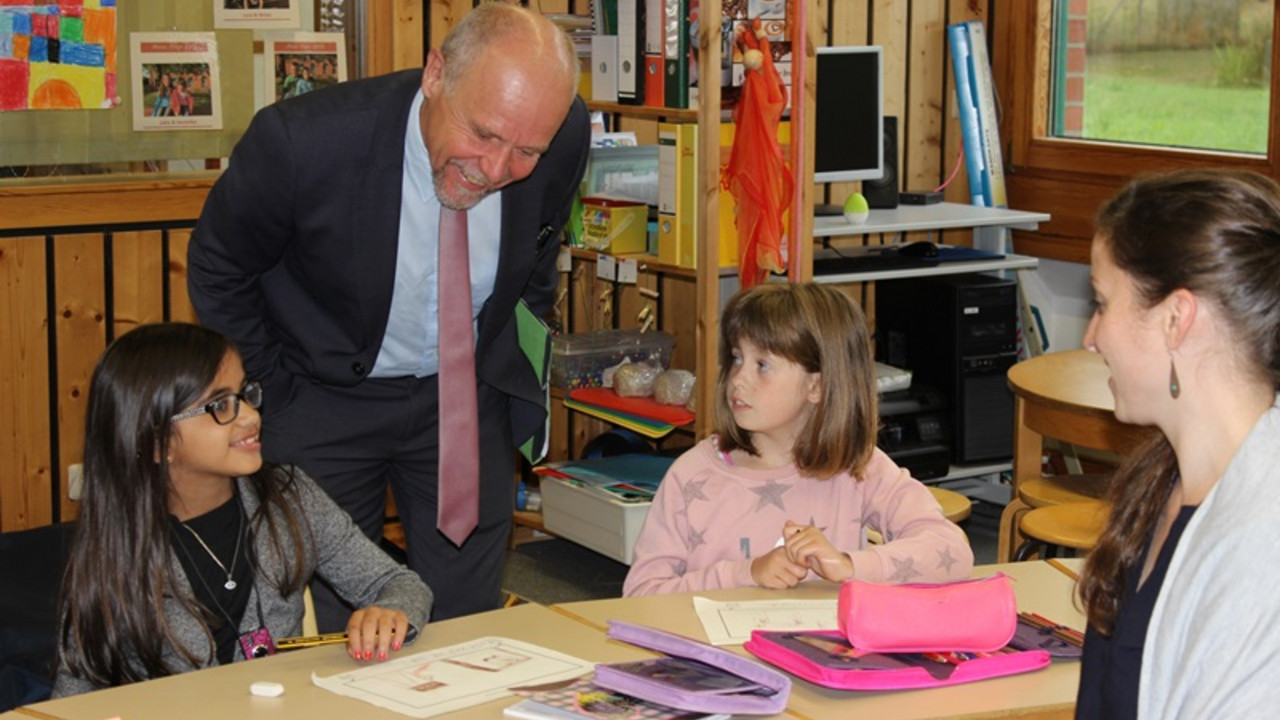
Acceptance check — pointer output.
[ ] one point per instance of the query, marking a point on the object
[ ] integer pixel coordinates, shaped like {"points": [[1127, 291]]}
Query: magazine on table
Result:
{"points": [[580, 698]]}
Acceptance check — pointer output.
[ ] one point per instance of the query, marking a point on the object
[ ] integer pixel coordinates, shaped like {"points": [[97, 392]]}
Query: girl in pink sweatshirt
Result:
{"points": [[786, 489]]}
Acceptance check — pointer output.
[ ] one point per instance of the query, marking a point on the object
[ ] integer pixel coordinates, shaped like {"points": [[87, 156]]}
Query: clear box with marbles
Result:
{"points": [[579, 360]]}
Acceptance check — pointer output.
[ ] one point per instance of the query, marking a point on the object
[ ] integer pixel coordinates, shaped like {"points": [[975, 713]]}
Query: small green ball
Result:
{"points": [[855, 203]]}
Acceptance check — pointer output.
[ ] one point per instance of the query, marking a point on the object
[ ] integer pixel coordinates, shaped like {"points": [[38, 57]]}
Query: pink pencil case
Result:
{"points": [[694, 676], [825, 657], [969, 616]]}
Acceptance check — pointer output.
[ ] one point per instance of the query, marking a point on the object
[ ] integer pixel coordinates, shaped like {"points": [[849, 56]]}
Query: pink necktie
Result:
{"points": [[458, 477]]}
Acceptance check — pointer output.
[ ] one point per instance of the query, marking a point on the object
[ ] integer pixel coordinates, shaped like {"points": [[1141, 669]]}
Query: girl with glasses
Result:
{"points": [[180, 514]]}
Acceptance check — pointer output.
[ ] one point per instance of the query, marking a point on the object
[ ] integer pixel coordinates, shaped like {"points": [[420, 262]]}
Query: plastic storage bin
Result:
{"points": [[592, 519], [580, 359]]}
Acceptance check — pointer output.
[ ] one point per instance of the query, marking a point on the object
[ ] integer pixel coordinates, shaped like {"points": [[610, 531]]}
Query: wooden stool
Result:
{"points": [[955, 507], [1071, 525], [1059, 489], [1063, 396]]}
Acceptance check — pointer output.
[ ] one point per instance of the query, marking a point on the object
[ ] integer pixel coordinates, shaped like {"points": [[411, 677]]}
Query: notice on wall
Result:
{"points": [[175, 78], [297, 63], [263, 14]]}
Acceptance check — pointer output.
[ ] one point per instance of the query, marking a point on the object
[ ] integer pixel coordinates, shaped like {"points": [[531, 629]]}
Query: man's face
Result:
{"points": [[492, 129]]}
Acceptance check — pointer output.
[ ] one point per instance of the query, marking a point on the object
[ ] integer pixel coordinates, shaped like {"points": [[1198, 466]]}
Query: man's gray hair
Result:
{"points": [[495, 23]]}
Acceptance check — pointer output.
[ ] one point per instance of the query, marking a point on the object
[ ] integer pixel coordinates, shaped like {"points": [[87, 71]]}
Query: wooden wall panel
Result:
{"points": [[24, 386], [442, 16], [79, 320], [407, 50], [70, 293], [137, 273], [923, 121], [180, 309], [393, 38]]}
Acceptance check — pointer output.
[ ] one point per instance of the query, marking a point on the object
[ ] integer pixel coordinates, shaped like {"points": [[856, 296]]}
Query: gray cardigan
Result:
{"points": [[1214, 639], [340, 554]]}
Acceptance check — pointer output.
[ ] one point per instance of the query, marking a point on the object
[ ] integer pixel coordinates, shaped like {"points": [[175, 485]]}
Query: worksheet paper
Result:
{"points": [[451, 678], [731, 623]]}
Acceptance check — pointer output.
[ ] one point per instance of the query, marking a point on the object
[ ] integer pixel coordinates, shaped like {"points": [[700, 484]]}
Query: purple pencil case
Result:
{"points": [[693, 676], [825, 657]]}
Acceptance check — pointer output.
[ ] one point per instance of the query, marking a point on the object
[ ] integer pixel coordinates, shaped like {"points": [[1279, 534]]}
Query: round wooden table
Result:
{"points": [[1064, 396]]}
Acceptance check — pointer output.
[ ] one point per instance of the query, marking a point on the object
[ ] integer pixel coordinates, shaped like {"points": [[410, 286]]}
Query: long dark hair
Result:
{"points": [[119, 574], [820, 329], [1217, 234]]}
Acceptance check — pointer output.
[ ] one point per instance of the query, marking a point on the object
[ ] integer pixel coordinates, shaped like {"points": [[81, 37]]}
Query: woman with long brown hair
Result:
{"points": [[1180, 594]]}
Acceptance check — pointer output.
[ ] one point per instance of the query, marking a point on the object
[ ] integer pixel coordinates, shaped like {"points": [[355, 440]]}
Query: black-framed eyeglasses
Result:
{"points": [[226, 409]]}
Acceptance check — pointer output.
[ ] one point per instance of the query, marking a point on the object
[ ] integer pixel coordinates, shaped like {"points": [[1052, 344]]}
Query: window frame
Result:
{"points": [[1067, 177]]}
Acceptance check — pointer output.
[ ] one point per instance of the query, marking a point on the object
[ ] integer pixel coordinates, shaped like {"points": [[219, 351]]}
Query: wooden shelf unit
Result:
{"points": [[683, 294]]}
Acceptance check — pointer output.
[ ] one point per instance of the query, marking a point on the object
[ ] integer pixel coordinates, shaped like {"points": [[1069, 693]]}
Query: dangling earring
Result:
{"points": [[1175, 388]]}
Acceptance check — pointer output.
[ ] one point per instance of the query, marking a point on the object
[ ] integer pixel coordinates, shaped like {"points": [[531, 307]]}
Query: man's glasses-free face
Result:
{"points": [[226, 409]]}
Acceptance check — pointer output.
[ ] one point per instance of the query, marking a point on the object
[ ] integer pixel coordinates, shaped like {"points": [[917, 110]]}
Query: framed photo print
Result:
{"points": [[175, 77], [298, 63]]}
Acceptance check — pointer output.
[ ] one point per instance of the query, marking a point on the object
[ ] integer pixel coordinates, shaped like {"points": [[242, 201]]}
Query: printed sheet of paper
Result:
{"points": [[439, 681], [265, 14], [731, 623]]}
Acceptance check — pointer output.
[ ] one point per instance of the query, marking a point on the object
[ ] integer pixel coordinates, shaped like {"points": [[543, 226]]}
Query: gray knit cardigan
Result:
{"points": [[340, 554]]}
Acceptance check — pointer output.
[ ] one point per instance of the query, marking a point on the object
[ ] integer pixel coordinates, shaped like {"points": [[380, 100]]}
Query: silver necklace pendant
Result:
{"points": [[229, 584]]}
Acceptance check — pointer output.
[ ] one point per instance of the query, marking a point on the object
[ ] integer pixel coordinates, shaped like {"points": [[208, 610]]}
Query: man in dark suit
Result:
{"points": [[316, 252]]}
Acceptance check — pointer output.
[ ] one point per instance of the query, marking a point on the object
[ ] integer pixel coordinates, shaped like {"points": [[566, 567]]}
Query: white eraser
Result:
{"points": [[266, 689]]}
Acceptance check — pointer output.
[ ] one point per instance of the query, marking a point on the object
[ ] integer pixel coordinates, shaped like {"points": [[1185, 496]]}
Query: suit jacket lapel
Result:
{"points": [[377, 211]]}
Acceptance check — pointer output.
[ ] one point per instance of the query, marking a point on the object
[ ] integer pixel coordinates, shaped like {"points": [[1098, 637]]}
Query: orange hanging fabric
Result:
{"points": [[757, 173]]}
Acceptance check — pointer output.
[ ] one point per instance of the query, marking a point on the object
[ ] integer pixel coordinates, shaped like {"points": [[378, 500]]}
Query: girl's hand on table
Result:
{"points": [[373, 632]]}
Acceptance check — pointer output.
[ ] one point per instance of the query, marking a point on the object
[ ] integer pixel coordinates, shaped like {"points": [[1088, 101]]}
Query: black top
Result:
{"points": [[1111, 665], [218, 528]]}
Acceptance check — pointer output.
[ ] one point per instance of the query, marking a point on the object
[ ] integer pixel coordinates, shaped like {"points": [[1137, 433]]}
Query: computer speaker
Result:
{"points": [[883, 193]]}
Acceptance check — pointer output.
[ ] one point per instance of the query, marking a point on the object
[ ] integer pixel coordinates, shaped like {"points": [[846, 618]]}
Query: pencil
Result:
{"points": [[1061, 632]]}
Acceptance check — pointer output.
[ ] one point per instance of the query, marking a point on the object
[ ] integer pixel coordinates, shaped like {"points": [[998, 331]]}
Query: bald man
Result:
{"points": [[317, 253]]}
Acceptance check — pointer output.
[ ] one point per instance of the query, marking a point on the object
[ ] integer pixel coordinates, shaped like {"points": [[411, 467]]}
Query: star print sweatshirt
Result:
{"points": [[710, 519]]}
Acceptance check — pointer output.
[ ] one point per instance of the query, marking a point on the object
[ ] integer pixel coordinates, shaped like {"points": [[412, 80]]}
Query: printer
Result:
{"points": [[914, 432]]}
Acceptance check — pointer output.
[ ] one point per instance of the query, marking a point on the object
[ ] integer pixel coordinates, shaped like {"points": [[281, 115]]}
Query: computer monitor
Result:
{"points": [[848, 114]]}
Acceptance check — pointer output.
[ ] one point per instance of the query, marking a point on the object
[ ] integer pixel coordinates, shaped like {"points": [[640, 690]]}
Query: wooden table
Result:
{"points": [[222, 693], [577, 629], [1043, 587], [1065, 396]]}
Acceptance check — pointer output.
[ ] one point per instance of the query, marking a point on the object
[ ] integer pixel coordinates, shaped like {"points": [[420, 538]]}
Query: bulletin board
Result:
{"points": [[93, 136]]}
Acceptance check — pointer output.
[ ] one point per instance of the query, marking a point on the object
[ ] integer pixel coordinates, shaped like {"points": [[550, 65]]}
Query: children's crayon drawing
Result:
{"points": [[57, 55]]}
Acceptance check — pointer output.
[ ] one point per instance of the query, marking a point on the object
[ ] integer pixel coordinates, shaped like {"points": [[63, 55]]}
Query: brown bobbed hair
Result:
{"points": [[823, 331]]}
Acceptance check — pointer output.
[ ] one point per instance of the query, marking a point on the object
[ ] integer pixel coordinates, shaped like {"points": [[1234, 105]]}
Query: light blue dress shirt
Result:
{"points": [[409, 346]]}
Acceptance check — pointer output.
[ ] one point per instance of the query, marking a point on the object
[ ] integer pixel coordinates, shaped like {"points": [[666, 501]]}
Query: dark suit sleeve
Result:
{"points": [[511, 372], [245, 227], [574, 151]]}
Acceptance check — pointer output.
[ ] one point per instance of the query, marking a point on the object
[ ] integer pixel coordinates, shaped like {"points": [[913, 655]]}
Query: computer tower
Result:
{"points": [[957, 333]]}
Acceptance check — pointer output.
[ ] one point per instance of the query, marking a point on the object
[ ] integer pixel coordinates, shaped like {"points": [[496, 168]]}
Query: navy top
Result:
{"points": [[1111, 665]]}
